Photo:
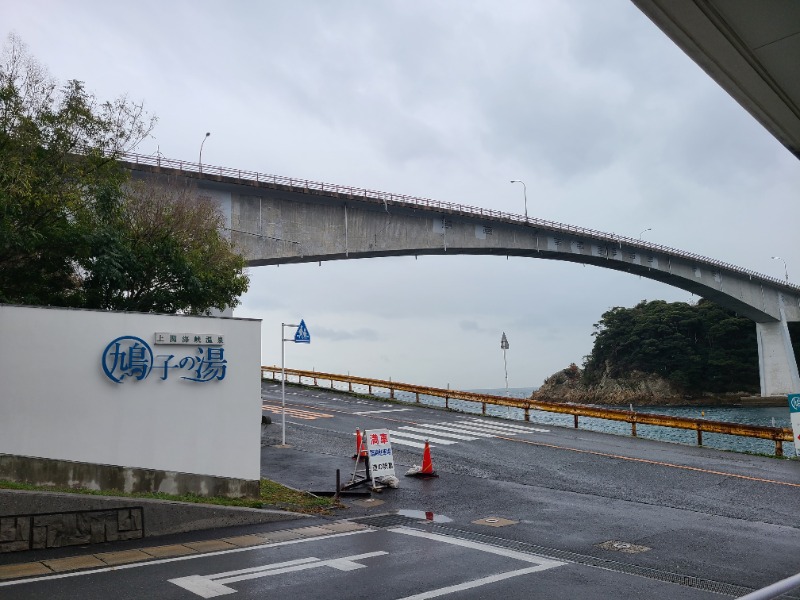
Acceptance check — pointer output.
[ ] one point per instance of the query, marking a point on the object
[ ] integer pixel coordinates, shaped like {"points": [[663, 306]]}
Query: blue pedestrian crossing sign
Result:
{"points": [[302, 336]]}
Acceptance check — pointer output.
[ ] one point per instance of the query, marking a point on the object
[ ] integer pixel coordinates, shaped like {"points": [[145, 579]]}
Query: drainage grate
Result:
{"points": [[386, 520]]}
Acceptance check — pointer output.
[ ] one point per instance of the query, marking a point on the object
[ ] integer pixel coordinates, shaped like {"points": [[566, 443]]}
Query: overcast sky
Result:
{"points": [[609, 124]]}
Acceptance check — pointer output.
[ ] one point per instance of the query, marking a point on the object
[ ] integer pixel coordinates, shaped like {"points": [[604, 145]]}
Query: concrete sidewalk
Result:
{"points": [[145, 553]]}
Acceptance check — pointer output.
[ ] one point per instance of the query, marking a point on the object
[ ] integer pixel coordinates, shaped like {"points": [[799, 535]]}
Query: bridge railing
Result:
{"points": [[413, 201], [776, 434]]}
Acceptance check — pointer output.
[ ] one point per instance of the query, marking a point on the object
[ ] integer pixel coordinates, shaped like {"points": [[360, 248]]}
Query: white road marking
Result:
{"points": [[413, 436], [523, 556], [521, 428], [542, 563], [475, 583], [491, 426], [444, 426], [402, 442], [426, 430], [479, 427], [501, 429], [211, 586], [163, 561], [372, 412]]}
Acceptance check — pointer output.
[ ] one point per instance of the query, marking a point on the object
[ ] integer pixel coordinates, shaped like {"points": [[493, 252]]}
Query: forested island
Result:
{"points": [[665, 353]]}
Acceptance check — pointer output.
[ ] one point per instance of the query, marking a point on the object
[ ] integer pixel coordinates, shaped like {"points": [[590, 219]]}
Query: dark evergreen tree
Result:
{"points": [[699, 348], [74, 231]]}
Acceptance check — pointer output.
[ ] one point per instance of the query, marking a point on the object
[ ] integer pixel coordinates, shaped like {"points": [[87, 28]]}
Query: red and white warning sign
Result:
{"points": [[379, 449]]}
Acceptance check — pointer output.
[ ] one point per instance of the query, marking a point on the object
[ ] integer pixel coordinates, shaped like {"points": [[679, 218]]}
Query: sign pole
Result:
{"points": [[300, 337], [283, 387]]}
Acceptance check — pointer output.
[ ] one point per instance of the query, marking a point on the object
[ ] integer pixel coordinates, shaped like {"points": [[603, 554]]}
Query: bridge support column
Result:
{"points": [[776, 363]]}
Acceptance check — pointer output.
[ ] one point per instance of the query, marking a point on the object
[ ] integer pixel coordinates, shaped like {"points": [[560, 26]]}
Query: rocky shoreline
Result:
{"points": [[639, 389]]}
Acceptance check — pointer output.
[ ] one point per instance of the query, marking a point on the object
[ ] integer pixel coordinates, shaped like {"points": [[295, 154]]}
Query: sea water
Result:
{"points": [[766, 416]]}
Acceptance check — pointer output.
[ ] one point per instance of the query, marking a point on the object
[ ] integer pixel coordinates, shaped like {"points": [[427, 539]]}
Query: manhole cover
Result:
{"points": [[625, 547], [495, 522]]}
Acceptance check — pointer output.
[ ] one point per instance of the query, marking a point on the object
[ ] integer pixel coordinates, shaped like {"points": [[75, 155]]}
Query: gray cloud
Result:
{"points": [[611, 126], [363, 334]]}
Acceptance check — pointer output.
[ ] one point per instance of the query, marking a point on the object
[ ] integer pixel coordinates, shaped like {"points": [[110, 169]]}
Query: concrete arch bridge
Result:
{"points": [[278, 220]]}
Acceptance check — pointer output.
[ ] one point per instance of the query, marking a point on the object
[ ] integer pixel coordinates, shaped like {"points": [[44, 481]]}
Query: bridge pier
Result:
{"points": [[776, 363]]}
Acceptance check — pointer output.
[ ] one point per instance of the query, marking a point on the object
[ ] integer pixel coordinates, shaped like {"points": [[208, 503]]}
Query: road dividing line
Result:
{"points": [[372, 412]]}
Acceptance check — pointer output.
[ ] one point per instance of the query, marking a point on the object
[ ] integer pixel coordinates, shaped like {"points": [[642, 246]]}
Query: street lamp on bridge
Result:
{"points": [[785, 269], [643, 232], [208, 133], [525, 192]]}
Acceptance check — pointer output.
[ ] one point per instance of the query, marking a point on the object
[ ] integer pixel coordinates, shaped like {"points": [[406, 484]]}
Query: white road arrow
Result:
{"points": [[211, 586]]}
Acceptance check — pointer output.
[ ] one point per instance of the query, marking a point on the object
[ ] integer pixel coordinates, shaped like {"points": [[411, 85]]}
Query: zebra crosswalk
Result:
{"points": [[447, 433], [295, 412]]}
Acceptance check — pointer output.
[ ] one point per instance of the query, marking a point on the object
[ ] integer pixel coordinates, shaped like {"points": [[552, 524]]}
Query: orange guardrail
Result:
{"points": [[776, 434]]}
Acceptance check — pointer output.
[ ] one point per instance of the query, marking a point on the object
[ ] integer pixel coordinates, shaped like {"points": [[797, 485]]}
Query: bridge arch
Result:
{"points": [[278, 220]]}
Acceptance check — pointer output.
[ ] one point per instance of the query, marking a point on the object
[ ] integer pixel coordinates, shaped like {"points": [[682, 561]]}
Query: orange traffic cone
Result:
{"points": [[361, 445], [427, 465]]}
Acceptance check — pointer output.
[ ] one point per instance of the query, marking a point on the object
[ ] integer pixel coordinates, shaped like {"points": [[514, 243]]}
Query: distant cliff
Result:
{"points": [[664, 353], [568, 385]]}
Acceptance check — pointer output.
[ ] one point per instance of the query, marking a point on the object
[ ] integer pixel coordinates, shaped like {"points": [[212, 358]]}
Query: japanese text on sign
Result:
{"points": [[130, 357], [379, 449], [192, 339]]}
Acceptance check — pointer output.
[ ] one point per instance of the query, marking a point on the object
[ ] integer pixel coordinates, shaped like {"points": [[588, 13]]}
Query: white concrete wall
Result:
{"points": [[57, 402]]}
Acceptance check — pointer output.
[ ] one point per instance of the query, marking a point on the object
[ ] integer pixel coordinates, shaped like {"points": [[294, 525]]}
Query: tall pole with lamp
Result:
{"points": [[208, 133], [525, 192], [785, 268]]}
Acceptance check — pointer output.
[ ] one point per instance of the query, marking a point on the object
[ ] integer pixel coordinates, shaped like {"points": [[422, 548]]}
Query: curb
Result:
{"points": [[101, 560]]}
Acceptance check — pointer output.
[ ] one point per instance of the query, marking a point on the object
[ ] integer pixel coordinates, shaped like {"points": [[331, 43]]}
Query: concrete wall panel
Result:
{"points": [[58, 403]]}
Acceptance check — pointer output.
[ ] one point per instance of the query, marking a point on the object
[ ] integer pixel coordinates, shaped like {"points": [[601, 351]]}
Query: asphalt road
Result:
{"points": [[520, 510], [717, 515]]}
